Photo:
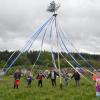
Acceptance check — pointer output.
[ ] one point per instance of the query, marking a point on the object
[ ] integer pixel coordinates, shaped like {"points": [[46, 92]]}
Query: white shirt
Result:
{"points": [[52, 75]]}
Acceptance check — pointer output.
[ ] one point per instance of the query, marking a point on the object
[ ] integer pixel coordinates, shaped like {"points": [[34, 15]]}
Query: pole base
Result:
{"points": [[61, 86]]}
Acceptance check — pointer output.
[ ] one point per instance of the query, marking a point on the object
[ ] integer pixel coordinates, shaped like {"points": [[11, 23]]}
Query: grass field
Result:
{"points": [[85, 92]]}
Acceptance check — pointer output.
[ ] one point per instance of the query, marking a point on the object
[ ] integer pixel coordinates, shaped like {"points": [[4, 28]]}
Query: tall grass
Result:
{"points": [[85, 92]]}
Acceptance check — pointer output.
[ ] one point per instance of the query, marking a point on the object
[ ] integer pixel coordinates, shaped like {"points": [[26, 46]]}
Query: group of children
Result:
{"points": [[17, 76], [52, 75]]}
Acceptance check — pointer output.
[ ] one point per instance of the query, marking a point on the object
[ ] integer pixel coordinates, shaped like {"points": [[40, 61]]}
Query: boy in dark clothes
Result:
{"points": [[17, 76], [76, 76], [66, 78], [40, 77], [29, 79]]}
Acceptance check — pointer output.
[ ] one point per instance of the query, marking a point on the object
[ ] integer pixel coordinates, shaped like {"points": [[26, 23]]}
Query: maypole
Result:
{"points": [[58, 55], [53, 8]]}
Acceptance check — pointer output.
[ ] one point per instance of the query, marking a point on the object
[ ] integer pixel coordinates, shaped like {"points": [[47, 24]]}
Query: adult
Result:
{"points": [[76, 76], [53, 74]]}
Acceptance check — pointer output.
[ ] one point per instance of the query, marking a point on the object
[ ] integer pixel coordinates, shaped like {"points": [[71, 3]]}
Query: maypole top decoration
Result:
{"points": [[53, 7]]}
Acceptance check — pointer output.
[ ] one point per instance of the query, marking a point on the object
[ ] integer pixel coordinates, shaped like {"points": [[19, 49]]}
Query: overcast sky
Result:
{"points": [[79, 18]]}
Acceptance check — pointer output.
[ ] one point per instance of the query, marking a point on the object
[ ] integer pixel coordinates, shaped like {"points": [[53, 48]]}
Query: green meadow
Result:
{"points": [[85, 92]]}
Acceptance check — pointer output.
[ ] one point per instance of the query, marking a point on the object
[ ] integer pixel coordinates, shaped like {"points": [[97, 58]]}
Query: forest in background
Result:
{"points": [[45, 59]]}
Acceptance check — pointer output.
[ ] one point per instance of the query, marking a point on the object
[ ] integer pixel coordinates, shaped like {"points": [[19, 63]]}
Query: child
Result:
{"points": [[17, 76], [66, 78], [40, 77], [29, 79]]}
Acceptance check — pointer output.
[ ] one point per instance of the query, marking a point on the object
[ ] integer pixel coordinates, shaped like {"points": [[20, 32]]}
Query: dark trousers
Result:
{"points": [[39, 83], [15, 85], [53, 81], [29, 83], [77, 82]]}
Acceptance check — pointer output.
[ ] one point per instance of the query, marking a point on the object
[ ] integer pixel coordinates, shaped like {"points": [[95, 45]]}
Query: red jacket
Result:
{"points": [[40, 77]]}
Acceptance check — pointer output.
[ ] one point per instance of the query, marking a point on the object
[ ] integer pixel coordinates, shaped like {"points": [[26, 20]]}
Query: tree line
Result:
{"points": [[45, 59]]}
